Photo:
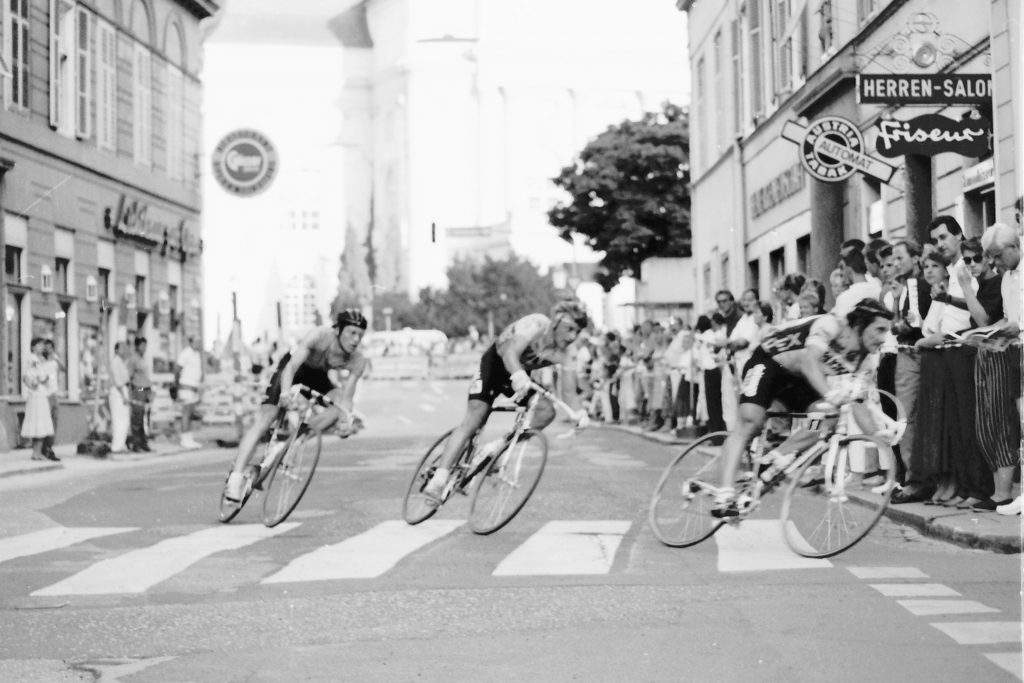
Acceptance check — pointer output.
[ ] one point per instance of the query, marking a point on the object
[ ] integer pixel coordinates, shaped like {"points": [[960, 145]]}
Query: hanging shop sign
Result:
{"points": [[933, 134], [832, 150], [137, 221], [244, 162], [924, 88]]}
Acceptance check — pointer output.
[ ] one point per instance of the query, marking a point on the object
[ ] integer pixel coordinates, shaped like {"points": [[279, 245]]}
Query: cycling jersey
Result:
{"points": [[493, 378], [772, 371], [324, 358]]}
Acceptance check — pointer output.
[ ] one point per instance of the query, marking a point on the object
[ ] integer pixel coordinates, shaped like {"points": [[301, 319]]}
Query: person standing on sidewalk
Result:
{"points": [[51, 367], [119, 398], [188, 379], [38, 424], [141, 390]]}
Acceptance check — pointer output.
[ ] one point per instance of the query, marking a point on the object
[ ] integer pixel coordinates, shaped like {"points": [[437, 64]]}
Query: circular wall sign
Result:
{"points": [[244, 162], [832, 149]]}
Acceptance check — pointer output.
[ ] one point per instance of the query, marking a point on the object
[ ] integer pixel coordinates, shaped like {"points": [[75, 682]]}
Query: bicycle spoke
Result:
{"points": [[290, 477], [508, 483], [680, 512]]}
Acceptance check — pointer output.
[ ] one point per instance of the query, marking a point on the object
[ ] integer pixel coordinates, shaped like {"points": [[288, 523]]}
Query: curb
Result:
{"points": [[31, 469], [956, 529]]}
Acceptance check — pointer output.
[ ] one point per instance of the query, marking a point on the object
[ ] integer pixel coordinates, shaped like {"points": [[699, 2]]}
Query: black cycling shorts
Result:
{"points": [[764, 381], [491, 379], [317, 380]]}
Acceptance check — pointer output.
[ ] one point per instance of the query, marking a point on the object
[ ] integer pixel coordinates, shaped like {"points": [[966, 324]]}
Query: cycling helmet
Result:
{"points": [[865, 312], [571, 310], [349, 316]]}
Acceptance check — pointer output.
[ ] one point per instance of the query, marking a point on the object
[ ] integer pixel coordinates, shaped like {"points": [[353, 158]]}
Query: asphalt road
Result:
{"points": [[124, 574]]}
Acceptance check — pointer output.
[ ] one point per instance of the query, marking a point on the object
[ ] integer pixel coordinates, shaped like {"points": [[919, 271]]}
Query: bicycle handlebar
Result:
{"points": [[574, 415]]}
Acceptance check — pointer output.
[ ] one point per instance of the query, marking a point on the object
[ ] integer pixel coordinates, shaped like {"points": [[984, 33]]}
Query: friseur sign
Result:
{"points": [[933, 134], [924, 88]]}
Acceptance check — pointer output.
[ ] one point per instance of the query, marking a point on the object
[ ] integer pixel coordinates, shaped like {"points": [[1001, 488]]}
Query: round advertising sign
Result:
{"points": [[832, 149], [244, 162]]}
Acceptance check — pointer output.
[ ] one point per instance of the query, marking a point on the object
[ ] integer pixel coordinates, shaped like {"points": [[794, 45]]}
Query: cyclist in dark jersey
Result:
{"points": [[530, 343], [792, 365], [327, 361]]}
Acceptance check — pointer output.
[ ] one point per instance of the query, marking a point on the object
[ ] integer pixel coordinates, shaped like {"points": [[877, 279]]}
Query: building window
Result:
{"points": [[777, 264], [175, 118], [721, 124], [737, 78], [103, 285], [782, 46], [141, 295], [12, 264], [106, 85], [866, 9], [16, 53], [61, 343], [142, 106], [754, 275], [979, 211], [756, 87], [826, 29], [725, 271], [803, 254], [702, 98], [12, 342], [83, 74], [62, 66], [60, 275]]}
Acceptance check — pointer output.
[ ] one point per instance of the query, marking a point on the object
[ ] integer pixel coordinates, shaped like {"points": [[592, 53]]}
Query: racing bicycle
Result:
{"points": [[832, 498], [501, 476], [290, 457]]}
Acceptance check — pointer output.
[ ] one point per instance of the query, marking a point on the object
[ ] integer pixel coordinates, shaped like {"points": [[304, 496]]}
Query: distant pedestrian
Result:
{"points": [[38, 423], [188, 378], [141, 394], [52, 367], [119, 398]]}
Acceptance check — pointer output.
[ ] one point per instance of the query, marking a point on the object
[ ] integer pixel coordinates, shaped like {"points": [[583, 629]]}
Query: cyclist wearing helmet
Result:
{"points": [[327, 360], [792, 365], [534, 341]]}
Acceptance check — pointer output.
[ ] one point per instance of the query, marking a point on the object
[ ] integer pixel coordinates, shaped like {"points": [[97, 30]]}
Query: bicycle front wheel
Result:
{"points": [[416, 507], [290, 476], [508, 482], [828, 506], [680, 513]]}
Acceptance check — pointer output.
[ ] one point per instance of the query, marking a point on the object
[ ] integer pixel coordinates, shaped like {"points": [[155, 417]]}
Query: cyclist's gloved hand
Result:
{"points": [[520, 382]]}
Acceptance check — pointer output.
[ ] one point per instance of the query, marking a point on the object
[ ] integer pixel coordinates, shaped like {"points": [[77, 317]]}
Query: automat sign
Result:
{"points": [[244, 162], [832, 150]]}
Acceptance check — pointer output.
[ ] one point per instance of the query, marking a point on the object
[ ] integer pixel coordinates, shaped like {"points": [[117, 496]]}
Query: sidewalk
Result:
{"points": [[988, 530]]}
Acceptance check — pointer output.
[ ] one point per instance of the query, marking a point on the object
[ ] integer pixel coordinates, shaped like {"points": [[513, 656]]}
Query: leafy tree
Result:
{"points": [[629, 193]]}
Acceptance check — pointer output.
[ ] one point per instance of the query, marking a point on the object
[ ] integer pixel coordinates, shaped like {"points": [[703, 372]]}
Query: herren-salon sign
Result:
{"points": [[924, 89], [933, 134]]}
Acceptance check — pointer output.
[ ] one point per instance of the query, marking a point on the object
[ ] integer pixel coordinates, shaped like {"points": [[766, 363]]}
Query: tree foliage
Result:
{"points": [[629, 194]]}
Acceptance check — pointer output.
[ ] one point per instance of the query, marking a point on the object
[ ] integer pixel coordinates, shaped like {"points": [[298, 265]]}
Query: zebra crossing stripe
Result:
{"points": [[1009, 661], [887, 573], [926, 608], [138, 570], [914, 590], [757, 545], [566, 547], [367, 555], [982, 632], [55, 538]]}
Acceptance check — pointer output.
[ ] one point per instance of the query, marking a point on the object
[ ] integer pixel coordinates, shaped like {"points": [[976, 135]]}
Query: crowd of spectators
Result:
{"points": [[952, 358]]}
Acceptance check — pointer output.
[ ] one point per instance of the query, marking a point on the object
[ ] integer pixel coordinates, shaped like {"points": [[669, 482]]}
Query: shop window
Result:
{"points": [[61, 343], [90, 350], [979, 211], [803, 254], [754, 275], [12, 343], [12, 264]]}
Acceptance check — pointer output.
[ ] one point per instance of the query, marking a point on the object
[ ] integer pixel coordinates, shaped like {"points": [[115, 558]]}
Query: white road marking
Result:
{"points": [[45, 540], [367, 555], [914, 590], [566, 547], [926, 608], [139, 570], [1010, 661], [982, 632], [611, 460], [757, 545], [887, 573]]}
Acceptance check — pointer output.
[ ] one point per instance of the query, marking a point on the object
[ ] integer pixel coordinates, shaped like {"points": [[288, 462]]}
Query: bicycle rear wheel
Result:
{"points": [[508, 482], [826, 512], [416, 507], [290, 475], [680, 513]]}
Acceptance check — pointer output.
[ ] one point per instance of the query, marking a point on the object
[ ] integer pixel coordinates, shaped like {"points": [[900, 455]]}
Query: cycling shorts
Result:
{"points": [[317, 380], [764, 381], [491, 379]]}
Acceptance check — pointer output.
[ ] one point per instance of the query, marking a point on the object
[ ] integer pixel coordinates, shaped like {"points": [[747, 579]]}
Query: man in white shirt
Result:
{"points": [[188, 378], [947, 236], [855, 274]]}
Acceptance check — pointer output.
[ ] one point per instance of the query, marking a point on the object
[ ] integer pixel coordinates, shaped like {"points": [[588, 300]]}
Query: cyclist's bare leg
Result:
{"points": [[261, 423], [751, 421], [477, 413], [543, 414]]}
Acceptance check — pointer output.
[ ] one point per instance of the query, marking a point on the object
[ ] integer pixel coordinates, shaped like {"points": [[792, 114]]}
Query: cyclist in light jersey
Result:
{"points": [[327, 360], [792, 365], [530, 343]]}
